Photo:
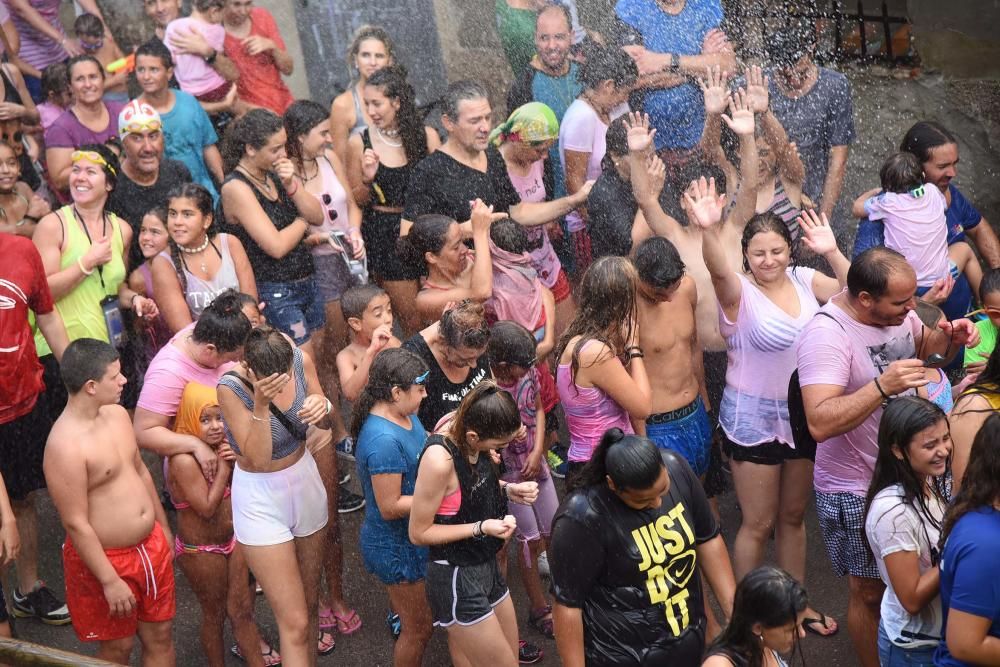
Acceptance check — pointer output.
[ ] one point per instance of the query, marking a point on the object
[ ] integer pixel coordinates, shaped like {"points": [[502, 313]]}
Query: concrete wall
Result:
{"points": [[284, 16], [959, 42]]}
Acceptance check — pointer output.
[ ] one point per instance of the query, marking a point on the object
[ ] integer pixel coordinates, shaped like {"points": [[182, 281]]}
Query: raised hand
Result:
{"points": [[265, 389], [380, 338], [639, 136], [713, 89], [817, 232], [704, 204], [656, 172], [284, 169], [740, 119], [483, 216], [757, 89], [369, 165]]}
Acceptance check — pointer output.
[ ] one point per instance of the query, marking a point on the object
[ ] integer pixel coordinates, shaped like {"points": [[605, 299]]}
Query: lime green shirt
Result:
{"points": [[516, 29], [987, 341]]}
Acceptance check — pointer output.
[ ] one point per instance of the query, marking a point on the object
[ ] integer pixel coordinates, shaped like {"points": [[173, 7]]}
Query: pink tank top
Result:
{"points": [[589, 413], [335, 193]]}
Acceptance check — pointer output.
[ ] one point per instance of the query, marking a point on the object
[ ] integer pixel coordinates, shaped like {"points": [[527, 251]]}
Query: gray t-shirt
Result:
{"points": [[817, 121]]}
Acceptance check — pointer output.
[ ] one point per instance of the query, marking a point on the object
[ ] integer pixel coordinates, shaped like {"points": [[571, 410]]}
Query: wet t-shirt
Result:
{"points": [[443, 395], [441, 184], [634, 573]]}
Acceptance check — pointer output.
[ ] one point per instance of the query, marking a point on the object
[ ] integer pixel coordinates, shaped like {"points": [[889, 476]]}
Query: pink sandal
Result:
{"points": [[345, 625]]}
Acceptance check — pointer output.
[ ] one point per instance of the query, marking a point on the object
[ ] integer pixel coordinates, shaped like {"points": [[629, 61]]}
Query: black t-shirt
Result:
{"points": [[443, 395], [634, 573], [443, 185]]}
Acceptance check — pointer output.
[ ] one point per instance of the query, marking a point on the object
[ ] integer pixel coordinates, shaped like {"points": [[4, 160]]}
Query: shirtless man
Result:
{"points": [[118, 552]]}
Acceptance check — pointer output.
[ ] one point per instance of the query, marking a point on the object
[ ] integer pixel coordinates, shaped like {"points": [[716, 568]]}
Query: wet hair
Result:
{"points": [[786, 47], [489, 412], [427, 235], [990, 283], [222, 323], [111, 169], [248, 300], [762, 223], [616, 140], [901, 421], [511, 343], [354, 302], [89, 25], [206, 5], [510, 236], [464, 325], [300, 118], [459, 92], [155, 48], [606, 310], [987, 384], [611, 63], [901, 172], [632, 462], [392, 367], [158, 212], [205, 205], [254, 129], [556, 6], [85, 359], [267, 352], [923, 137], [367, 32], [870, 271], [768, 596], [658, 263], [84, 58], [391, 80], [55, 80], [115, 144], [981, 483]]}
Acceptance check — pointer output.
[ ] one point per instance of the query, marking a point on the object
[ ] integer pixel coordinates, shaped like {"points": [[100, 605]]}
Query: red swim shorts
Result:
{"points": [[148, 570], [560, 291]]}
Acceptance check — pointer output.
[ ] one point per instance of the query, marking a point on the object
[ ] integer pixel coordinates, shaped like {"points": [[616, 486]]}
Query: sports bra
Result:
{"points": [[451, 503]]}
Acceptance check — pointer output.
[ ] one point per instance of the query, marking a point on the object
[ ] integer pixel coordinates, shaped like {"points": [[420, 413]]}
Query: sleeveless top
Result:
{"points": [[783, 207], [990, 392], [80, 309], [359, 114], [389, 186], [199, 292], [738, 660], [335, 212], [283, 440], [10, 93], [481, 499], [158, 333], [297, 264]]}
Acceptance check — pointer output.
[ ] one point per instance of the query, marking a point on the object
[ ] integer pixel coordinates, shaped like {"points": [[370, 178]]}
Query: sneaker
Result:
{"points": [[40, 603], [557, 464], [349, 502], [345, 477], [528, 653], [345, 448], [543, 564], [395, 625]]}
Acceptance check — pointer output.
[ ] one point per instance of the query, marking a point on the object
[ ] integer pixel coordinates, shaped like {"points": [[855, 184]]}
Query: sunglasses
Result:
{"points": [[140, 126], [92, 156]]}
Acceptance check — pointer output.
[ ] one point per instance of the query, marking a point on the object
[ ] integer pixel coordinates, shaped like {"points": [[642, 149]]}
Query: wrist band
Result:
{"points": [[477, 529], [79, 262], [132, 300], [506, 490], [329, 406], [885, 396], [255, 417], [296, 184]]}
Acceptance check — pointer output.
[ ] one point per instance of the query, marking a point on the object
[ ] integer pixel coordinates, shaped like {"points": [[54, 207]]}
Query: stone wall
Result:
{"points": [[959, 42]]}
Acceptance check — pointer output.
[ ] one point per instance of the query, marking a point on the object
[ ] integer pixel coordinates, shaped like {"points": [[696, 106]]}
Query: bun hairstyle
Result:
{"points": [[267, 352], [392, 367], [631, 462], [464, 325], [223, 323]]}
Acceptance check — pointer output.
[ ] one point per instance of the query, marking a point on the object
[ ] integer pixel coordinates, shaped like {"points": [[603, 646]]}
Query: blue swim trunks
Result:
{"points": [[686, 431]]}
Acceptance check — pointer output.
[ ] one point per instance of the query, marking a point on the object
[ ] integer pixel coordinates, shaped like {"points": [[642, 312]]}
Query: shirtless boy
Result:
{"points": [[117, 556], [369, 317]]}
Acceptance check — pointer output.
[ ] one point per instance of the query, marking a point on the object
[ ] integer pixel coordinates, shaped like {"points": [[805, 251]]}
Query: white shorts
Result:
{"points": [[275, 507]]}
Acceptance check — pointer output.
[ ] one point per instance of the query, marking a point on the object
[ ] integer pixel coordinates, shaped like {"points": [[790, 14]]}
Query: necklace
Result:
{"points": [[195, 251], [384, 136], [263, 184], [306, 177]]}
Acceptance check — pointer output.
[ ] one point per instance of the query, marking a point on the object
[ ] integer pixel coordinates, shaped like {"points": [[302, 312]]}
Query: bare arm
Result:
{"points": [[741, 121], [858, 207], [569, 634], [213, 161], [342, 119], [697, 357], [241, 205], [647, 174], [969, 638], [150, 486], [433, 476], [818, 237], [54, 331], [575, 165], [169, 297], [153, 433], [914, 590], [244, 272], [32, 17], [251, 428], [630, 389], [986, 242], [203, 496], [549, 340], [392, 504], [355, 173], [30, 114], [47, 239], [714, 561], [966, 419], [790, 166], [836, 168], [59, 166], [530, 214]]}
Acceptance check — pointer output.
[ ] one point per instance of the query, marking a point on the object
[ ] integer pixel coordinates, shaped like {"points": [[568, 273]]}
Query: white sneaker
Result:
{"points": [[543, 564]]}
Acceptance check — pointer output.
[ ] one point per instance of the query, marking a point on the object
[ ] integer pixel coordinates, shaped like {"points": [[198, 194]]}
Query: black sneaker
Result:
{"points": [[40, 603], [345, 448], [345, 477], [349, 502], [528, 653]]}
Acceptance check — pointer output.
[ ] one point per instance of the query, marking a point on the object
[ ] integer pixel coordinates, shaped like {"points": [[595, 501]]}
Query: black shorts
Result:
{"points": [[22, 450], [772, 453], [3, 606], [464, 595]]}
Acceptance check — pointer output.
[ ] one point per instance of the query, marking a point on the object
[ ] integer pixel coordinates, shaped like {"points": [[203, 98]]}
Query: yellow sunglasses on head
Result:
{"points": [[140, 126], [92, 156]]}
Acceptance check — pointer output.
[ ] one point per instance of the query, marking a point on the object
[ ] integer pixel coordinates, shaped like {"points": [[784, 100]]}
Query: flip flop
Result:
{"points": [[271, 659], [348, 624], [809, 623], [326, 643]]}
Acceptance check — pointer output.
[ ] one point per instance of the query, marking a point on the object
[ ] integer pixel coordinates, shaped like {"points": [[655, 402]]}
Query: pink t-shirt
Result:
{"points": [[849, 354], [195, 76], [543, 256], [916, 228], [583, 131], [761, 346], [169, 372]]}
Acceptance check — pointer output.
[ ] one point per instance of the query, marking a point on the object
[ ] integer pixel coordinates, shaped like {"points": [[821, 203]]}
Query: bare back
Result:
{"points": [[668, 338]]}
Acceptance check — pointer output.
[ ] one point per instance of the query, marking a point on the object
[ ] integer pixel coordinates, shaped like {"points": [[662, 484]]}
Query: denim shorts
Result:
{"points": [[686, 431], [294, 308], [333, 278], [394, 563], [890, 655]]}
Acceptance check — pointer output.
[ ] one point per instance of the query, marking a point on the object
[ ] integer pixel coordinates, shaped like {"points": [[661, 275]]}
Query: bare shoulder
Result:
{"points": [[437, 461], [343, 103], [594, 352]]}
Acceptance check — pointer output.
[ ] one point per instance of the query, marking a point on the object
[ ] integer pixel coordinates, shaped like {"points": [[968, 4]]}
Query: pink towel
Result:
{"points": [[517, 292]]}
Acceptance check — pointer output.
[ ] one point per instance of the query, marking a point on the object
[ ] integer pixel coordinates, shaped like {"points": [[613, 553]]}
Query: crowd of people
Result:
{"points": [[631, 282]]}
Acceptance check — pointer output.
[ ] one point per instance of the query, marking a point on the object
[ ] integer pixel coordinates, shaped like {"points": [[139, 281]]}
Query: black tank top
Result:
{"points": [[298, 263], [481, 500], [389, 186], [10, 93]]}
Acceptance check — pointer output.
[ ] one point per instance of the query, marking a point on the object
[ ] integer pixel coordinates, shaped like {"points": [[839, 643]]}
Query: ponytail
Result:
{"points": [[393, 367], [630, 461], [489, 412]]}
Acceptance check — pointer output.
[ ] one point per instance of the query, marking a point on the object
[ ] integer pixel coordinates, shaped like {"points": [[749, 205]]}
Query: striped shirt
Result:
{"points": [[38, 49]]}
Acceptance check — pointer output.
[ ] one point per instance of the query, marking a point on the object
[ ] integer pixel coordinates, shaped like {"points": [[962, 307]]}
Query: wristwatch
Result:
{"points": [[675, 62], [211, 59]]}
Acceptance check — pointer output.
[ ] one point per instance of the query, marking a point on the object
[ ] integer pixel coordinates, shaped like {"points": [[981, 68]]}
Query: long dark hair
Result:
{"points": [[769, 596], [391, 80], [203, 202], [762, 223], [394, 367], [607, 309], [630, 461], [427, 235], [300, 119], [981, 483], [488, 411], [924, 136], [988, 383], [253, 129], [902, 420]]}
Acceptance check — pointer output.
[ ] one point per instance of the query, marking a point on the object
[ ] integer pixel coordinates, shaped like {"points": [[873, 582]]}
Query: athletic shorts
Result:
{"points": [[276, 507], [464, 595], [3, 605], [772, 453], [147, 568], [216, 94], [685, 431], [560, 290], [842, 522], [22, 450]]}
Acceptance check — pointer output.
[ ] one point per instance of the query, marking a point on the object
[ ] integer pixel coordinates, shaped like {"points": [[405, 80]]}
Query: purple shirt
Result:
{"points": [[68, 132]]}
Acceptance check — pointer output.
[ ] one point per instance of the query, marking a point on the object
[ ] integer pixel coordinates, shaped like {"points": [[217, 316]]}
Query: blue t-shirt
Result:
{"points": [[557, 93], [677, 113], [385, 448], [187, 131], [968, 574], [960, 214]]}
